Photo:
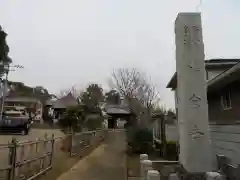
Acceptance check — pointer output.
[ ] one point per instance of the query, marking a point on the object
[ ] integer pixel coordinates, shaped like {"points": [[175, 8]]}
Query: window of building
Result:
{"points": [[226, 101]]}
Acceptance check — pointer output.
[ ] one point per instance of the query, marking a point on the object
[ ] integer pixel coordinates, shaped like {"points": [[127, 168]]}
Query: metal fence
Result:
{"points": [[31, 159], [80, 141]]}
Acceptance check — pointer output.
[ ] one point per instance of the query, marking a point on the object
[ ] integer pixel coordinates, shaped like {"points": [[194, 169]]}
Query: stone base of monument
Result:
{"points": [[192, 176], [182, 174], [197, 176]]}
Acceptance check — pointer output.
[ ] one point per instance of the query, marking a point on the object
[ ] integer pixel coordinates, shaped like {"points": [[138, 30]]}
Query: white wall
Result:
{"points": [[213, 73], [171, 131], [225, 140]]}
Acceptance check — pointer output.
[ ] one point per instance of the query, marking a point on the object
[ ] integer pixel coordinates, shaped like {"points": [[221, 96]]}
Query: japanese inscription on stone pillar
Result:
{"points": [[196, 33], [192, 36], [195, 101], [186, 39], [195, 132]]}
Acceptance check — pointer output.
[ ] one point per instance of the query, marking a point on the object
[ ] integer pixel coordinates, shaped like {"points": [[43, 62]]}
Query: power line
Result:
{"points": [[17, 66], [199, 5]]}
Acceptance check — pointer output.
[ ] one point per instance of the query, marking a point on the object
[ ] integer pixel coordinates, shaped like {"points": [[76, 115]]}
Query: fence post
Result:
{"points": [[45, 149], [37, 145], [12, 159], [142, 157], [71, 144], [52, 150], [91, 140], [146, 166], [21, 159], [153, 175]]}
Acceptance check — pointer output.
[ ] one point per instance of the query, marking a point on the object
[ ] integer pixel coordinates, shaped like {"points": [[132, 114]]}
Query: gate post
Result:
{"points": [[12, 159]]}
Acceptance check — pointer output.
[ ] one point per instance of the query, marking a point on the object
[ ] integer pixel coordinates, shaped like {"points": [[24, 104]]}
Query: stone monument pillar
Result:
{"points": [[191, 92]]}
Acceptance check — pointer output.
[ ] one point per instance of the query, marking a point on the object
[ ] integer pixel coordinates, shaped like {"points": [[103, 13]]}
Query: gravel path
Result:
{"points": [[107, 162]]}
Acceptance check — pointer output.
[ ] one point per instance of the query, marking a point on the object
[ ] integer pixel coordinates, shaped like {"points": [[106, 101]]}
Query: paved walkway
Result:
{"points": [[107, 162]]}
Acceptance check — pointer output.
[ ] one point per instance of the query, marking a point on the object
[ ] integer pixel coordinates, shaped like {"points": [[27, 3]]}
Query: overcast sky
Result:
{"points": [[75, 42]]}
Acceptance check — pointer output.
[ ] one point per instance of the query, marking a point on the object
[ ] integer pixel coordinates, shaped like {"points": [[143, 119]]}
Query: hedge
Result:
{"points": [[171, 150], [139, 140]]}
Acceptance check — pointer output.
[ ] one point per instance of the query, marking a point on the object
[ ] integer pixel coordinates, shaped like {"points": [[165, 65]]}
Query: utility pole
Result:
{"points": [[6, 68]]}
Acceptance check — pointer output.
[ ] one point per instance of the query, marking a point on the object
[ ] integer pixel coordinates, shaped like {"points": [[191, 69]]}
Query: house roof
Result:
{"points": [[66, 101], [212, 63], [224, 78], [21, 99], [117, 109], [49, 102]]}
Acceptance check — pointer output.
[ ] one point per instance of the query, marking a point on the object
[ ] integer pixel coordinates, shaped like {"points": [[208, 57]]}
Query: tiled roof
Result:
{"points": [[117, 109], [21, 99], [65, 102]]}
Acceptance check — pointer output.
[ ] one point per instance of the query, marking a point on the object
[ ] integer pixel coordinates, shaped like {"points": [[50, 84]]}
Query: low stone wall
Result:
{"points": [[156, 170], [172, 170]]}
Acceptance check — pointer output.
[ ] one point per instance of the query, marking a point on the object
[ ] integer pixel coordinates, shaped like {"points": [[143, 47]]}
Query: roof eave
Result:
{"points": [[224, 78], [172, 83]]}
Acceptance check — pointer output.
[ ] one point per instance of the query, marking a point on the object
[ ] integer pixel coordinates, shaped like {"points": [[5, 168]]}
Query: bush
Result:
{"points": [[75, 119], [171, 150], [139, 140], [72, 119], [94, 123]]}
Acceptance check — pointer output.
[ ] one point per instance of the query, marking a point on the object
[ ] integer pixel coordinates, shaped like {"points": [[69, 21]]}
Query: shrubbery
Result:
{"points": [[75, 119], [71, 119], [94, 123], [139, 140], [171, 150]]}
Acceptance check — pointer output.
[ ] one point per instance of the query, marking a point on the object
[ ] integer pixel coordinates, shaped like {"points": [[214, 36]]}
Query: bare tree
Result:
{"points": [[73, 90], [140, 94]]}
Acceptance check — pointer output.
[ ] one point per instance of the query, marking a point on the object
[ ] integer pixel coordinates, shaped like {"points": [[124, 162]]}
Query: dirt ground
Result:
{"points": [[62, 163], [133, 166], [107, 162]]}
